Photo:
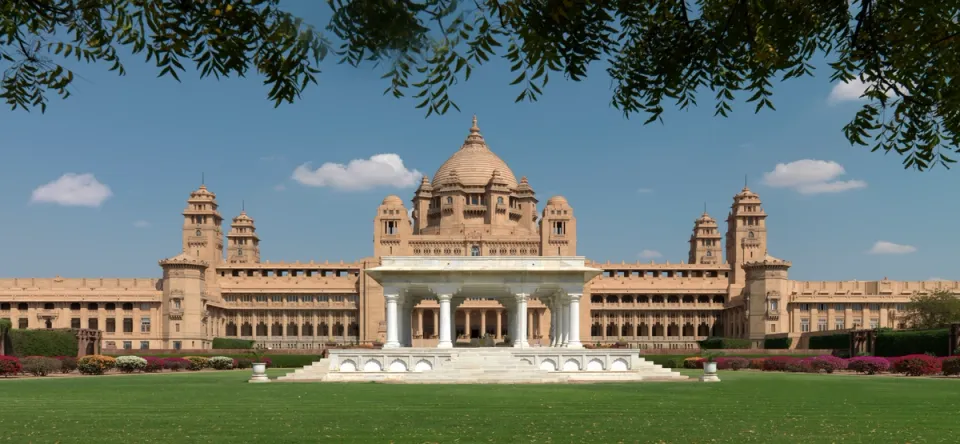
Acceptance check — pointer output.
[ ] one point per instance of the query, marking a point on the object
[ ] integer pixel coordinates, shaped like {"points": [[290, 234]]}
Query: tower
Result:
{"points": [[243, 244], [202, 235], [746, 233], [558, 228], [184, 307], [705, 241], [392, 228], [764, 300], [421, 204]]}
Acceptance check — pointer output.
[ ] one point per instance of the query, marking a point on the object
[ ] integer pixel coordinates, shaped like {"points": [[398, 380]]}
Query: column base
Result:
{"points": [[710, 378], [445, 345], [521, 345], [391, 345], [574, 345]]}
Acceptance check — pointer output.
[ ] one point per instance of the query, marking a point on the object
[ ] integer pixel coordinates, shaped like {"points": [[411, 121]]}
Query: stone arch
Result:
{"points": [[231, 329], [643, 329], [627, 329], [687, 329], [292, 329], [423, 366], [612, 330], [261, 329], [595, 365], [276, 329], [397, 366], [246, 329], [596, 329], [703, 329], [373, 365], [548, 365], [353, 329], [307, 329], [572, 365], [619, 365], [338, 329], [657, 329], [348, 366], [323, 329], [673, 329]]}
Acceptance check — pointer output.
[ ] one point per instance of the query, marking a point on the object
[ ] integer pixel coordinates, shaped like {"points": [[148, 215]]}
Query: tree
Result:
{"points": [[5, 326], [905, 51], [935, 310]]}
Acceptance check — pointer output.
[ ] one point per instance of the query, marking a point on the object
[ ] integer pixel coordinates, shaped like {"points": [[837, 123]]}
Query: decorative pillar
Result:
{"points": [[466, 324], [520, 322], [574, 330], [445, 328], [498, 334], [483, 322], [552, 305], [392, 319]]}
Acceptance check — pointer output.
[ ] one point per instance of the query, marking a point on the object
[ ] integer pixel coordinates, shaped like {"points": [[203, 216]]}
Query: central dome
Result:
{"points": [[474, 163]]}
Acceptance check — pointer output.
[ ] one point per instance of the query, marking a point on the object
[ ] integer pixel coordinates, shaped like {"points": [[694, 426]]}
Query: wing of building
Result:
{"points": [[474, 206]]}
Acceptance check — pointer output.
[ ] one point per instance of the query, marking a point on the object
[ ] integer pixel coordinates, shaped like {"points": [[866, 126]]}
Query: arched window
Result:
{"points": [[199, 233], [709, 253], [500, 200], [449, 200], [474, 251], [750, 234]]}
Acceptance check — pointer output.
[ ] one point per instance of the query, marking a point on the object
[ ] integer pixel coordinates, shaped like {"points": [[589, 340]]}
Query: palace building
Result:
{"points": [[473, 213]]}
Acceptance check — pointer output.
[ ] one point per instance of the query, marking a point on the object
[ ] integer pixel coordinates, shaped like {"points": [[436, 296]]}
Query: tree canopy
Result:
{"points": [[935, 310], [657, 53]]}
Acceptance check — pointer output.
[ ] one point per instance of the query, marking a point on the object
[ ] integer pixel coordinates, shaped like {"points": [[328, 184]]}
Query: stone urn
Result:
{"points": [[259, 372], [710, 372]]}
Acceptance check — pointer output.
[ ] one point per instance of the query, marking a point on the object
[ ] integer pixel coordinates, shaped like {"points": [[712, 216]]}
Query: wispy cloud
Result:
{"points": [[381, 170], [141, 224], [644, 190], [649, 254], [884, 247]]}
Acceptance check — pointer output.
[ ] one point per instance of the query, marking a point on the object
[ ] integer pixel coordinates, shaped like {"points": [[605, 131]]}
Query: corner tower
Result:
{"points": [[705, 241], [558, 228], [765, 296], [392, 228], [243, 243], [746, 233], [202, 235], [184, 308]]}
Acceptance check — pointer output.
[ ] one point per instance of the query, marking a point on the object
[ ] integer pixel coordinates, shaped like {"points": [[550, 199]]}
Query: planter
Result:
{"points": [[709, 372], [259, 372]]}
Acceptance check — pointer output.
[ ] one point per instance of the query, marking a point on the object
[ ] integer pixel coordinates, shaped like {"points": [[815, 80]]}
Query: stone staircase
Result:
{"points": [[484, 366]]}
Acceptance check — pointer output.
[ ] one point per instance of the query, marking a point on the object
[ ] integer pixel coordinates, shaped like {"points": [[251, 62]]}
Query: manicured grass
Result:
{"points": [[221, 407]]}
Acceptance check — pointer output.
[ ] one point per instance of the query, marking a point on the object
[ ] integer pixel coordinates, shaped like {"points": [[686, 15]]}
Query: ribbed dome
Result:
{"points": [[557, 200], [474, 163], [392, 199]]}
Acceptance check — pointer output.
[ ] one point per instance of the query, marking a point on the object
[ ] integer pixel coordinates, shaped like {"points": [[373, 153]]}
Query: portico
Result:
{"points": [[512, 281]]}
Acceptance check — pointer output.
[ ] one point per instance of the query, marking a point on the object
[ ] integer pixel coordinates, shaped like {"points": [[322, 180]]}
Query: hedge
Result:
{"points": [[277, 361], [232, 343], [913, 342], [42, 343], [837, 341], [725, 343], [777, 343]]}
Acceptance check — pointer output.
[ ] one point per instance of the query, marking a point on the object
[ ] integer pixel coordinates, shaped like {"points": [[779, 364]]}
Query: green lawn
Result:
{"points": [[222, 407]]}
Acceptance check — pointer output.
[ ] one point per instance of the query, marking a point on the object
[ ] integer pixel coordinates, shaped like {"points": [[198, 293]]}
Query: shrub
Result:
{"points": [[693, 362], [724, 343], [757, 363], [827, 364], [10, 365], [950, 366], [916, 365], [153, 365], [910, 342], [671, 363], [732, 363], [231, 343], [870, 365], [130, 364], [220, 363], [175, 364], [197, 362], [777, 343], [40, 365], [778, 363], [243, 363], [67, 363], [838, 341], [95, 364], [799, 366], [42, 343]]}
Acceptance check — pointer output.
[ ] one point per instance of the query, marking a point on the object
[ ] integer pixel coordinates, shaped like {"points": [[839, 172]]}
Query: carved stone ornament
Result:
{"points": [[474, 234], [176, 273]]}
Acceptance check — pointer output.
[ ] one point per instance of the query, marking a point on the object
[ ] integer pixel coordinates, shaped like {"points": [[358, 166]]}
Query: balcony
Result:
{"points": [[475, 209], [52, 314]]}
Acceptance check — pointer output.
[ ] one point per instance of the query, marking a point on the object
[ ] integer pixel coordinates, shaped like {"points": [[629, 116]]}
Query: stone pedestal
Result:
{"points": [[709, 377], [259, 373]]}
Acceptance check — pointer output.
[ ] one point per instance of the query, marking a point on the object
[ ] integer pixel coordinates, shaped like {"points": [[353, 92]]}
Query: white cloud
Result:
{"points": [[141, 224], [938, 279], [850, 91], [884, 247], [645, 190], [73, 190], [381, 170], [649, 254], [811, 176]]}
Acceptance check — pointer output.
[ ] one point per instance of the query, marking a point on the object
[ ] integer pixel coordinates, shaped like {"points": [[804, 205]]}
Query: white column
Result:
{"points": [[403, 313], [552, 304], [565, 316], [521, 321], [392, 327], [574, 329], [444, 321]]}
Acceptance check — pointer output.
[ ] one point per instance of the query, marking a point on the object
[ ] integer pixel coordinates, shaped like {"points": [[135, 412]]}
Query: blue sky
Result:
{"points": [[636, 188]]}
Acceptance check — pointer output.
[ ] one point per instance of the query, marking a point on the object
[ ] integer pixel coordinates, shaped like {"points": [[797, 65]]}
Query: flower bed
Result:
{"points": [[910, 365], [10, 365]]}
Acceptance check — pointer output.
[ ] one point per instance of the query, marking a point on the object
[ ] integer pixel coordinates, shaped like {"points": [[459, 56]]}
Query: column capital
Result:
{"points": [[574, 296], [445, 289], [521, 296], [391, 297], [444, 297]]}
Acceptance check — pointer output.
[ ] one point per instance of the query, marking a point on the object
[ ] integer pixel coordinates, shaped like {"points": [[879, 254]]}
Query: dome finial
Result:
{"points": [[474, 129]]}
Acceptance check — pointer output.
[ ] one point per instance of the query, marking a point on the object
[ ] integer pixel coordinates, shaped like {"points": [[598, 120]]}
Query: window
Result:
{"points": [[111, 306], [449, 200], [261, 298], [709, 253], [874, 307], [177, 345], [292, 298], [92, 323], [822, 307], [559, 228], [276, 298], [822, 324], [804, 307], [774, 305], [838, 307], [144, 345], [127, 307], [176, 304], [145, 324], [48, 306], [74, 306], [92, 306], [176, 327], [875, 323], [22, 323], [75, 323], [500, 200], [805, 325], [901, 307], [145, 307], [127, 345], [857, 307], [475, 250], [839, 324], [128, 325], [111, 325], [22, 307], [857, 322]]}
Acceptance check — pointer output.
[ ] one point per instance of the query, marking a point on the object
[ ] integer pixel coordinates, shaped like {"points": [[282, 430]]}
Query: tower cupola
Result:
{"points": [[705, 241], [243, 243]]}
